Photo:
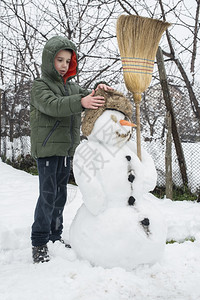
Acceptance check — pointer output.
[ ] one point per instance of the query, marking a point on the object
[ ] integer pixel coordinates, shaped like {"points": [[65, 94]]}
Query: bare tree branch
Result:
{"points": [[196, 29]]}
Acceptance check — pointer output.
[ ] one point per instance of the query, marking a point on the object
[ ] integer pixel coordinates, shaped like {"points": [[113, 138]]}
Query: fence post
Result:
{"points": [[168, 158], [0, 121], [167, 98]]}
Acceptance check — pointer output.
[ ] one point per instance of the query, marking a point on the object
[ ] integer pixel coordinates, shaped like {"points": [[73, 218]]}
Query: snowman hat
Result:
{"points": [[113, 100]]}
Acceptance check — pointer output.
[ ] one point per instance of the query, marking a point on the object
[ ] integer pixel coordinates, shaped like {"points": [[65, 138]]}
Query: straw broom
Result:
{"points": [[138, 39]]}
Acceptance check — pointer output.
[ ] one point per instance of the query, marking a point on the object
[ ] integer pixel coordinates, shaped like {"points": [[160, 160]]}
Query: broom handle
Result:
{"points": [[138, 130]]}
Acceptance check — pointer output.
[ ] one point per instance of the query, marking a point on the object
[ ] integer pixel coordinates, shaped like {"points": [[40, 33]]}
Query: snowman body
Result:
{"points": [[117, 225]]}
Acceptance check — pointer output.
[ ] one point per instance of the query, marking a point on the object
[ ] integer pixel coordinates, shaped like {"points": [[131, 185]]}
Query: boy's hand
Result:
{"points": [[103, 87], [92, 102]]}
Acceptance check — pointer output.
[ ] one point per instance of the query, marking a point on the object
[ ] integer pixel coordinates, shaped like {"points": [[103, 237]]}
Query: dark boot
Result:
{"points": [[40, 254], [67, 245], [64, 243]]}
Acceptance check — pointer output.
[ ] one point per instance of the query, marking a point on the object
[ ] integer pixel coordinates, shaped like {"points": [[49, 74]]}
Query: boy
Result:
{"points": [[55, 118]]}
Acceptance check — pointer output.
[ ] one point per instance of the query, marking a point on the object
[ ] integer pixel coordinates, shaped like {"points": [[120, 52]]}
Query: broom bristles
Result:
{"points": [[138, 39]]}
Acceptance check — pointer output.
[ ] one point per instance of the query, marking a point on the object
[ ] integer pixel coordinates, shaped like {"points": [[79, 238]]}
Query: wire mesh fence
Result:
{"points": [[155, 135], [192, 158]]}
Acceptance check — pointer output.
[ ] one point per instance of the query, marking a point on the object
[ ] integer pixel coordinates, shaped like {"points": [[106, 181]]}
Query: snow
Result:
{"points": [[175, 277]]}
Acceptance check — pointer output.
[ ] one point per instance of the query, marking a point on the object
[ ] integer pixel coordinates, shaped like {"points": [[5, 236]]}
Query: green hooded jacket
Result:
{"points": [[55, 108]]}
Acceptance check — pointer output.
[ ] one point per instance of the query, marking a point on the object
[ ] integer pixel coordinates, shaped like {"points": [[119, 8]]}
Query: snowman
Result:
{"points": [[117, 225]]}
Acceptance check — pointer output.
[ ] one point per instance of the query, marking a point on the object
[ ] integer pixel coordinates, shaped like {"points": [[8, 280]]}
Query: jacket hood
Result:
{"points": [[51, 48]]}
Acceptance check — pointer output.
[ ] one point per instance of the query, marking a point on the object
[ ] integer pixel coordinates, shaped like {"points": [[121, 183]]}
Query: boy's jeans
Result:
{"points": [[48, 219]]}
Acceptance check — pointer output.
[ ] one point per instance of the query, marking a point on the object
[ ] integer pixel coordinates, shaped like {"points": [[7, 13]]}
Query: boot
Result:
{"points": [[66, 244], [40, 254]]}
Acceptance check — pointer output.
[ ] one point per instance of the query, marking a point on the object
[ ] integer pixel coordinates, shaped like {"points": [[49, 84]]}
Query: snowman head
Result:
{"points": [[112, 127]]}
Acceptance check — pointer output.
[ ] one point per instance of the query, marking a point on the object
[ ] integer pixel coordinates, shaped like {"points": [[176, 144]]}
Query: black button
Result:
{"points": [[131, 177], [131, 200], [145, 222], [128, 157]]}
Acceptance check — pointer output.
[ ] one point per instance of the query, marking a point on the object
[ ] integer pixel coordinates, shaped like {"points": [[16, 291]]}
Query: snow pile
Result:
{"points": [[66, 277]]}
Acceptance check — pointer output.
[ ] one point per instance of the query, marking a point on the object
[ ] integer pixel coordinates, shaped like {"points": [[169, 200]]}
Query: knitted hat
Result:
{"points": [[113, 100]]}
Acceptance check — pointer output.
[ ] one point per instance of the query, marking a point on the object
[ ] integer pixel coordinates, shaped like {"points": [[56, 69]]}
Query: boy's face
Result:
{"points": [[62, 61]]}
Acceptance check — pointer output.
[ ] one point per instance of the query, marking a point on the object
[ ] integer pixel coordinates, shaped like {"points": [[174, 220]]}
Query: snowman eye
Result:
{"points": [[126, 118], [114, 118]]}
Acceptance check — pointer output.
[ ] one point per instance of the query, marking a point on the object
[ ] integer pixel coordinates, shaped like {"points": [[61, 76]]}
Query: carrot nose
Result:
{"points": [[127, 123]]}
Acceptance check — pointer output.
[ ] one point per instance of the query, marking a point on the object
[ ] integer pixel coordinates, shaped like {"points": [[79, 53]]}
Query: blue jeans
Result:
{"points": [[48, 219]]}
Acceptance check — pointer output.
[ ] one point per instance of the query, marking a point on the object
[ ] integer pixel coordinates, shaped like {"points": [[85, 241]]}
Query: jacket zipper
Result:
{"points": [[71, 123], [71, 132], [50, 133]]}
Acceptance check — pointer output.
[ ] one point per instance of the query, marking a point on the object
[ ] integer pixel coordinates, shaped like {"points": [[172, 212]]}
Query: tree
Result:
{"points": [[27, 25]]}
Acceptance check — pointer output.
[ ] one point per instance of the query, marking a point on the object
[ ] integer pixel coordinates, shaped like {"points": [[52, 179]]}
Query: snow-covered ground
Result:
{"points": [[65, 277]]}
